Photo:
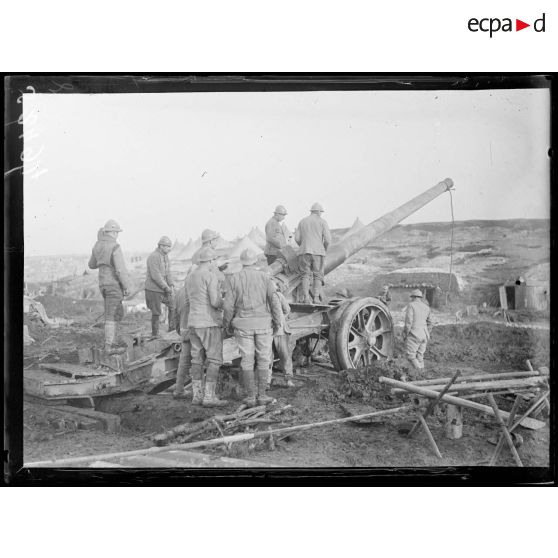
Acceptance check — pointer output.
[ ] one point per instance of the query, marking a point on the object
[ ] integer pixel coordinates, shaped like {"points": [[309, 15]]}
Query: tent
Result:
{"points": [[356, 226], [244, 244], [257, 237]]}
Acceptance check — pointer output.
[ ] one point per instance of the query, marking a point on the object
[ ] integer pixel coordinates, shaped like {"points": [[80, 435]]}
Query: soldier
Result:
{"points": [[276, 234], [416, 331], [314, 238], [209, 239], [384, 295], [114, 282], [159, 286], [205, 322], [252, 309], [185, 360], [282, 338]]}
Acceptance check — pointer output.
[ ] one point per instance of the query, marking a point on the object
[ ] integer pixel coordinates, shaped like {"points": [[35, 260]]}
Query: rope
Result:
{"points": [[451, 246]]}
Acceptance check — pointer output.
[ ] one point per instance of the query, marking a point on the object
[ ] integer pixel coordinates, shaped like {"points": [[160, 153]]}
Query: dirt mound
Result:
{"points": [[362, 383], [492, 344]]}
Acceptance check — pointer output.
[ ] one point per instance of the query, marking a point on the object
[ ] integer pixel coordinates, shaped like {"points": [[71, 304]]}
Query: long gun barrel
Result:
{"points": [[340, 252]]}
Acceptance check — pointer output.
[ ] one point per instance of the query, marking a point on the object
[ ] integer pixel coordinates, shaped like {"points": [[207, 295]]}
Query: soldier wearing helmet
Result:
{"points": [[314, 238], [205, 326], [416, 332], [276, 234], [252, 310], [209, 239], [159, 285], [114, 282]]}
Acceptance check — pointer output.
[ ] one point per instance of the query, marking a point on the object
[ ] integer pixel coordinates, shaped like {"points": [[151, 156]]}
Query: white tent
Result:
{"points": [[356, 226], [244, 244], [257, 237]]}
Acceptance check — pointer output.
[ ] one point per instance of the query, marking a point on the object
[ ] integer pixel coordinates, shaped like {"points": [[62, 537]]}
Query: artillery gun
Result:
{"points": [[359, 330]]}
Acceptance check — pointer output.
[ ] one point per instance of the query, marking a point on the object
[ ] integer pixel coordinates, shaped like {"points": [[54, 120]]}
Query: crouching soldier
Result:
{"points": [[114, 282], [252, 310], [282, 339], [185, 360], [416, 332], [205, 323]]}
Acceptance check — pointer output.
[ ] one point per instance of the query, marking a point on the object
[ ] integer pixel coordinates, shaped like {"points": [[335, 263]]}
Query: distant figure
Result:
{"points": [[276, 234], [384, 295], [416, 332], [159, 285], [313, 237], [114, 282]]}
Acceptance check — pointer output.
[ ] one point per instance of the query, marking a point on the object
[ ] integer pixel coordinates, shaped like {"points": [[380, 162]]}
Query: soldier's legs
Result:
{"points": [[420, 354], [247, 348], [169, 301], [184, 367], [212, 339], [283, 348], [411, 348], [153, 301], [305, 265], [114, 312], [263, 344], [318, 275]]}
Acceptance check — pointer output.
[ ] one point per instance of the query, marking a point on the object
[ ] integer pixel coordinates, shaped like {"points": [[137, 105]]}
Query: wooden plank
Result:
{"points": [[527, 422], [110, 422], [73, 370]]}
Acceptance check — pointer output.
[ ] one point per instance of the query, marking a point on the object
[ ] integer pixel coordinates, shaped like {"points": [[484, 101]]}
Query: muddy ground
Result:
{"points": [[320, 395]]}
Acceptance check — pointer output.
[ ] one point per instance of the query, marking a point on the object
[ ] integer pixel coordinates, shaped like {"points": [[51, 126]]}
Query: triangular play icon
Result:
{"points": [[519, 25]]}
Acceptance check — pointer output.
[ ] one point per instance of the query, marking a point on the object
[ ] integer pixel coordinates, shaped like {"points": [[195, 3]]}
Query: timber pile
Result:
{"points": [[470, 386], [240, 421]]}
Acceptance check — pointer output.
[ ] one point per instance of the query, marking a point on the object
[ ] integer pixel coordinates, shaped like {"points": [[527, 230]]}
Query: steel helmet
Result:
{"points": [[112, 226], [248, 257], [209, 235], [164, 241], [417, 293], [207, 254], [317, 207], [280, 209]]}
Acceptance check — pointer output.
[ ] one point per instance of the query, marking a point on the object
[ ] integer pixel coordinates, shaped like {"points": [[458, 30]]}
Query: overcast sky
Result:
{"points": [[177, 163]]}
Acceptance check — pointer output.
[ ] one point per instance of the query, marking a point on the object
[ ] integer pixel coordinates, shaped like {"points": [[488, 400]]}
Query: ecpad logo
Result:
{"points": [[492, 25]]}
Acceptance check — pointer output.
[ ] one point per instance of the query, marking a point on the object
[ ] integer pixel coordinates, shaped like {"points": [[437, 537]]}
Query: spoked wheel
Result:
{"points": [[364, 334]]}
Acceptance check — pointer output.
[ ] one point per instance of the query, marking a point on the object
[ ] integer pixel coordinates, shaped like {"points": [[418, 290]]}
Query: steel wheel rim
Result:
{"points": [[366, 333]]}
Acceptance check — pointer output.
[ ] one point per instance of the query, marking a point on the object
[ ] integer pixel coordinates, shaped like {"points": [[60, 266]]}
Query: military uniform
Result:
{"points": [[282, 338], [313, 237], [277, 237], [418, 325], [158, 288], [107, 257], [251, 308], [205, 326], [185, 360]]}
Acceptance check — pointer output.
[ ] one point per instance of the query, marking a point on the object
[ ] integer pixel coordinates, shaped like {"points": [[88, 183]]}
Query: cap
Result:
{"points": [[208, 235], [165, 241], [280, 209], [417, 293], [317, 207], [207, 254]]}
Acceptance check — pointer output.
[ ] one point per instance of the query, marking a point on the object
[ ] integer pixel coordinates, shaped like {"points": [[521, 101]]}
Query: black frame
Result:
{"points": [[15, 85]]}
